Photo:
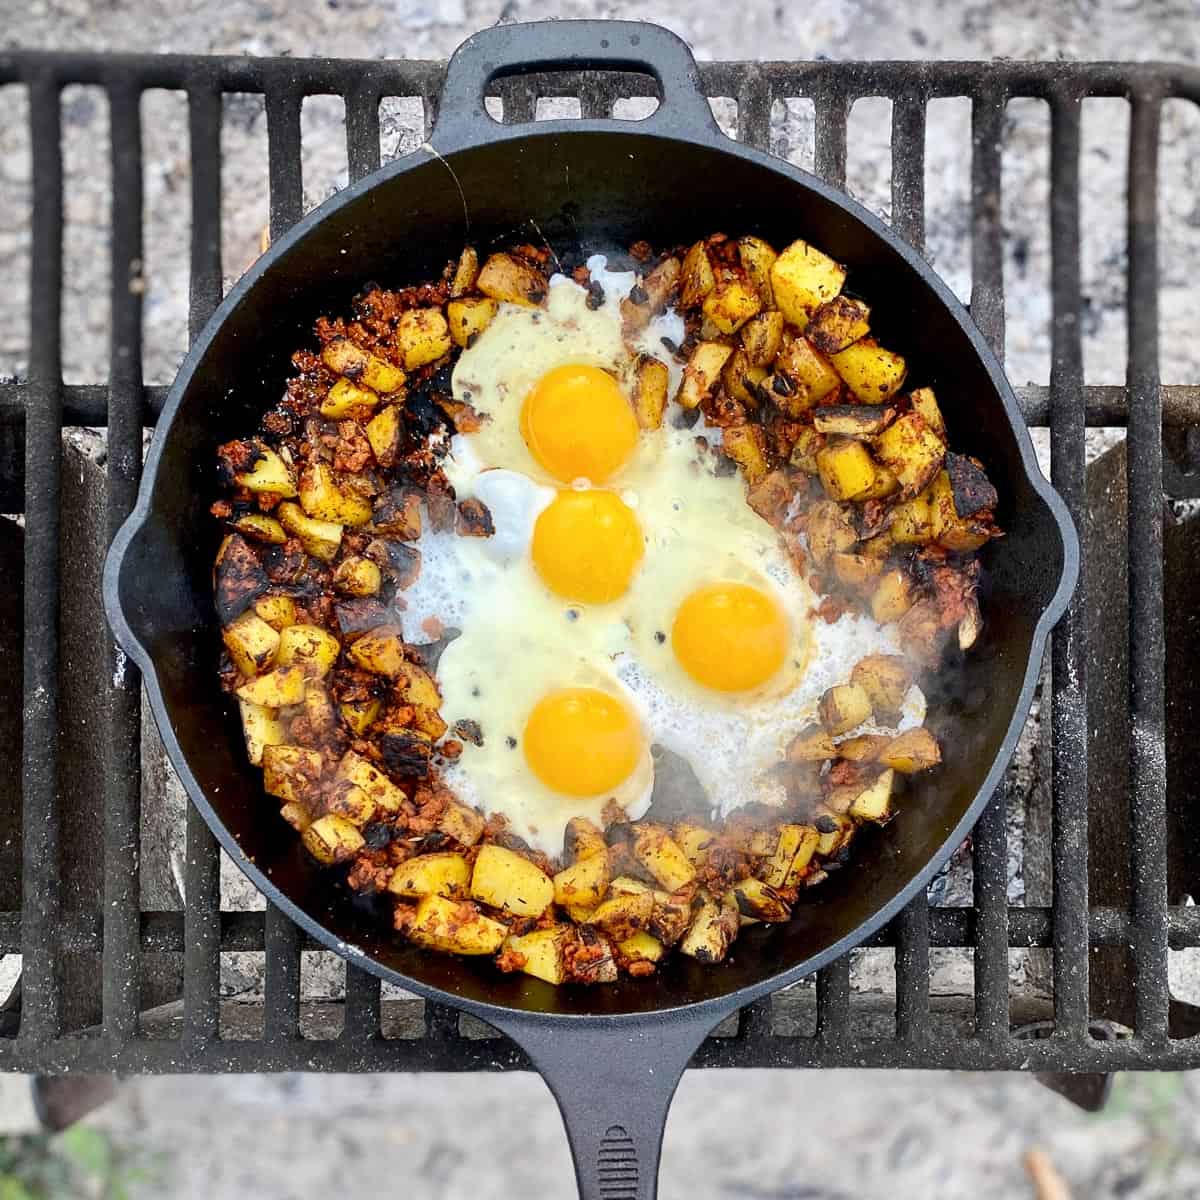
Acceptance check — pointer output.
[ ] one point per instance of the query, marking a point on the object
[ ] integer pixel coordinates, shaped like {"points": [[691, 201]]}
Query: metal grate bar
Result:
{"points": [[990, 862], [1069, 777], [1147, 638], [362, 1010], [362, 131], [912, 970], [595, 97], [833, 1001], [520, 100], [987, 234], [754, 111], [122, 753], [41, 901], [201, 876], [829, 139], [908, 169]]}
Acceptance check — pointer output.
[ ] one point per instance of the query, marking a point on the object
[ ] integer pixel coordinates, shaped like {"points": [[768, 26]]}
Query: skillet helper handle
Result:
{"points": [[613, 1085], [506, 50]]}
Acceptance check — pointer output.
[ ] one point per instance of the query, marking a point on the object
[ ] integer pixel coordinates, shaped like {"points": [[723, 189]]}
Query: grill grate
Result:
{"points": [[403, 1035]]}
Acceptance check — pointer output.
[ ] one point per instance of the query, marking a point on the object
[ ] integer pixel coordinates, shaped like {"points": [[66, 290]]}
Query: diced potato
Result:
{"points": [[275, 689], [357, 576], [810, 372], [332, 839], [261, 728], [308, 646], [641, 947], [747, 446], [505, 879], [802, 279], [347, 399], [852, 420], [321, 539], [742, 380], [289, 772], [359, 714], [839, 831], [837, 324], [384, 432], [843, 707], [804, 451], [505, 277], [885, 485], [971, 626], [466, 272], [811, 745], [662, 856], [422, 337], [269, 473], [430, 722], [912, 450], [829, 530], [867, 747], [599, 965], [696, 279], [924, 402], [714, 927], [702, 372], [879, 546], [671, 916], [355, 805], [912, 751], [846, 469], [278, 611], [444, 874], [462, 823], [297, 816], [694, 841], [893, 596], [624, 912], [357, 770], [872, 373], [380, 651], [659, 287], [251, 642], [455, 926], [731, 304], [397, 514], [886, 679], [419, 688], [855, 570], [757, 258], [762, 336], [361, 366], [793, 853], [874, 803], [583, 838], [912, 521], [760, 900], [584, 883], [543, 951], [469, 317], [951, 530], [650, 391], [260, 527], [322, 498]]}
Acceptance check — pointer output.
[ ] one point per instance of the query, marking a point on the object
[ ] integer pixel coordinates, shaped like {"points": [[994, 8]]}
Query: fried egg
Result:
{"points": [[629, 598]]}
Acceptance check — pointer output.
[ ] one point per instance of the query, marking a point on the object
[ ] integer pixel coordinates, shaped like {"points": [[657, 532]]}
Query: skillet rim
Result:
{"points": [[710, 1008]]}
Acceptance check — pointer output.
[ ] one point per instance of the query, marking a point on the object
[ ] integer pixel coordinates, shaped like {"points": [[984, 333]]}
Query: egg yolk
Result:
{"points": [[730, 636], [578, 424], [587, 545], [582, 741]]}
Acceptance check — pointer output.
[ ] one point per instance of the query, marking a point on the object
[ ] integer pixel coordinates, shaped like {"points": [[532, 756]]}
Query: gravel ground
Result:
{"points": [[732, 1134]]}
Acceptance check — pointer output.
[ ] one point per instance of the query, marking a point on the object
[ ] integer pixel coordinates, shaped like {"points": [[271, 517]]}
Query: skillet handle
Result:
{"points": [[613, 1084], [506, 50]]}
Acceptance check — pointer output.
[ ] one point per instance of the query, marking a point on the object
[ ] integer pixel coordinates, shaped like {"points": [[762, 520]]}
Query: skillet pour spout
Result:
{"points": [[612, 1056]]}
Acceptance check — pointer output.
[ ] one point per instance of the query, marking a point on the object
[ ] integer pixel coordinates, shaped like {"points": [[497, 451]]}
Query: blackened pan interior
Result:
{"points": [[595, 189]]}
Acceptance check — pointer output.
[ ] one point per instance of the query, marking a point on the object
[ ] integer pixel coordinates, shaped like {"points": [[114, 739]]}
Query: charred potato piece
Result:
{"points": [[319, 538], [355, 769], [658, 287], [384, 435], [584, 883], [852, 420], [347, 358], [276, 689], [505, 277], [583, 839], [702, 372], [542, 952], [696, 279], [694, 841], [802, 279], [381, 651], [809, 371], [760, 900], [893, 596], [456, 927], [912, 751], [397, 514], [746, 445], [811, 745], [834, 830], [794, 851], [469, 317], [268, 473], [463, 824], [260, 527], [355, 805], [714, 927], [874, 802], [332, 839], [662, 856], [346, 399], [261, 727], [594, 962], [757, 258], [359, 715], [466, 272], [444, 874], [422, 337], [742, 380], [830, 530], [323, 499], [289, 772], [844, 707], [924, 402], [969, 485], [650, 391], [504, 879], [912, 450], [357, 576], [846, 469], [949, 529], [838, 323], [238, 577], [731, 303], [624, 913], [762, 337], [872, 373], [804, 451], [886, 679], [310, 647], [251, 642]]}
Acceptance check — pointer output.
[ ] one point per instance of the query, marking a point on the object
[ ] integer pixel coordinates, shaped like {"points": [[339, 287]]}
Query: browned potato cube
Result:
{"points": [[793, 852], [381, 651], [357, 576], [846, 469], [829, 530], [444, 874], [641, 947], [542, 952], [429, 722], [297, 816], [843, 707], [702, 372], [951, 530], [804, 452], [747, 446], [355, 805], [505, 879], [659, 286], [810, 372], [762, 337], [650, 391], [714, 927], [696, 279], [505, 277], [731, 304], [455, 926], [260, 527], [251, 642], [359, 715], [383, 432], [422, 337], [852, 420], [924, 402], [261, 727], [345, 357], [324, 499], [742, 381], [662, 856], [757, 258], [893, 597], [867, 747], [912, 751], [319, 538], [469, 317], [276, 689], [346, 399], [874, 803], [912, 521], [838, 323], [757, 899], [583, 839], [886, 679], [332, 839], [856, 570], [912, 450], [802, 279], [290, 772], [462, 823], [355, 769], [835, 831], [466, 272], [268, 473], [694, 841], [811, 745], [310, 647], [583, 884], [872, 373], [623, 913]]}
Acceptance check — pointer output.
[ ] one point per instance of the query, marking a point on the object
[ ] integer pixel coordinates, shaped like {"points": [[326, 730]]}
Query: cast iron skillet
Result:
{"points": [[612, 1056]]}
